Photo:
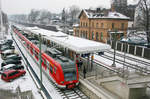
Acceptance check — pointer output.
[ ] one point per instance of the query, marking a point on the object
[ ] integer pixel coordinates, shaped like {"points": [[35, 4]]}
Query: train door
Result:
{"points": [[31, 50], [44, 63], [47, 71], [36, 55], [51, 69]]}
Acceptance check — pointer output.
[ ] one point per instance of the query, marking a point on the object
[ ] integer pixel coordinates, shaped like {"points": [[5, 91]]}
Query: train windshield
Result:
{"points": [[70, 75]]}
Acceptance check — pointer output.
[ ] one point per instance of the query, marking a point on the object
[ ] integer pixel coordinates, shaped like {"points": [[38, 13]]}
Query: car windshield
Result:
{"points": [[70, 75]]}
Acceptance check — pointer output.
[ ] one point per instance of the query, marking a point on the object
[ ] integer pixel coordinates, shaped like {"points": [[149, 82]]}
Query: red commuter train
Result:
{"points": [[62, 70]]}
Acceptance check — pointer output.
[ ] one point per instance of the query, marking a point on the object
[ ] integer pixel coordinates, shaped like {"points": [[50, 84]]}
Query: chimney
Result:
{"points": [[112, 8], [98, 9]]}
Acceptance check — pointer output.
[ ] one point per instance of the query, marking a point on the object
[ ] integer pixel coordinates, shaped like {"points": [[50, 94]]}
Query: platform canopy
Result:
{"points": [[76, 44]]}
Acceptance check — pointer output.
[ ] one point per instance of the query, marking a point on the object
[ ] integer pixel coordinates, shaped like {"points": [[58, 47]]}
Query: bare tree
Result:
{"points": [[33, 15], [144, 10], [44, 17], [74, 12], [63, 17]]}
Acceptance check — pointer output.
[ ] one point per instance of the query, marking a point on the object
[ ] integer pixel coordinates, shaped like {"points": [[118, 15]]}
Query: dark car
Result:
{"points": [[12, 66], [13, 56], [6, 53], [6, 48], [7, 42], [12, 74], [10, 61]]}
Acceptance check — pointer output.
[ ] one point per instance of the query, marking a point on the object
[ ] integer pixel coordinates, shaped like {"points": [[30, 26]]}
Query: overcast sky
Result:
{"points": [[55, 6]]}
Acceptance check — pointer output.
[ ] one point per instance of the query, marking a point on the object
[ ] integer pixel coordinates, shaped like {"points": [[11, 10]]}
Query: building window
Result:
{"points": [[81, 24], [92, 24], [77, 32], [101, 35], [86, 25], [113, 25], [81, 34], [122, 25], [97, 25], [86, 34], [97, 36], [92, 35], [102, 25]]}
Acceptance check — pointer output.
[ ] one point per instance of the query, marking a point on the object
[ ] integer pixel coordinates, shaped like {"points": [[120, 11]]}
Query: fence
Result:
{"points": [[136, 50]]}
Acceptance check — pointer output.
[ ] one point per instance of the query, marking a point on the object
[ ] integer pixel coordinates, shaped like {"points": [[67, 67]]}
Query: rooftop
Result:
{"points": [[104, 14]]}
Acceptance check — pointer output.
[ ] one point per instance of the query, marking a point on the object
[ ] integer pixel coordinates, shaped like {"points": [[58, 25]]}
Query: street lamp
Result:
{"points": [[114, 38], [1, 19], [40, 60], [124, 41]]}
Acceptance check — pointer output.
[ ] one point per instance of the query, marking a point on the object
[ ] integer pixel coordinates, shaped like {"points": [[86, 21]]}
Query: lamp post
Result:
{"points": [[125, 50], [113, 37], [1, 19], [40, 60]]}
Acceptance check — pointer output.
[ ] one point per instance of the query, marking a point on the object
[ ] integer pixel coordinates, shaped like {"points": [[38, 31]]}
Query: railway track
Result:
{"points": [[75, 93], [130, 58], [72, 94], [127, 64]]}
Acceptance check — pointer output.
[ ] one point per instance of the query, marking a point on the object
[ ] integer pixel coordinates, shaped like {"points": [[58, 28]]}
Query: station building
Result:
{"points": [[97, 25]]}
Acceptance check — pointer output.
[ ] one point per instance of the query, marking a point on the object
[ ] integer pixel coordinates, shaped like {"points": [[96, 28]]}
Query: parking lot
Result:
{"points": [[21, 84]]}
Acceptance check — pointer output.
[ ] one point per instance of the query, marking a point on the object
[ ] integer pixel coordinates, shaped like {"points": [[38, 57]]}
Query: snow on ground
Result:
{"points": [[25, 83], [126, 60], [107, 61], [130, 55], [118, 65]]}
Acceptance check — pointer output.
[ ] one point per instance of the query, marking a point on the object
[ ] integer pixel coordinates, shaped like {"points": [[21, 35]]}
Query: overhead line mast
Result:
{"points": [[1, 16]]}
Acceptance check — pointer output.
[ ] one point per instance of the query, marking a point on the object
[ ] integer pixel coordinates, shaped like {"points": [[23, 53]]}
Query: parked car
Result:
{"points": [[12, 66], [12, 74], [10, 61], [1, 43], [6, 53], [6, 48], [7, 42], [13, 56]]}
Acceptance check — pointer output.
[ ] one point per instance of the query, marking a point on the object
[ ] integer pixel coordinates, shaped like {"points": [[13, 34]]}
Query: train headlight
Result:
{"points": [[62, 82]]}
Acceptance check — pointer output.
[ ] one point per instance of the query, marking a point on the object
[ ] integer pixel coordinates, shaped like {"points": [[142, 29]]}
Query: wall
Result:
{"points": [[88, 26], [117, 88]]}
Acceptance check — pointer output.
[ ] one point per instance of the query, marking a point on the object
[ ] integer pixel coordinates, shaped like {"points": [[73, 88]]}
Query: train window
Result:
{"points": [[55, 70], [33, 51], [70, 75], [28, 46], [51, 69], [47, 65], [36, 54], [45, 62]]}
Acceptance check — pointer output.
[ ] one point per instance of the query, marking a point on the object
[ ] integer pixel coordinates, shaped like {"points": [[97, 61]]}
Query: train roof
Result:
{"points": [[76, 44], [57, 55]]}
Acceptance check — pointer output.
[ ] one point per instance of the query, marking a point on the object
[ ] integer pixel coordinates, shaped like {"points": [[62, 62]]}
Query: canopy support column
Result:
{"points": [[92, 57]]}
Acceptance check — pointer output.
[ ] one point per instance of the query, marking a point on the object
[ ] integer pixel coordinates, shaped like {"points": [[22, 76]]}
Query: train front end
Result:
{"points": [[70, 78]]}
